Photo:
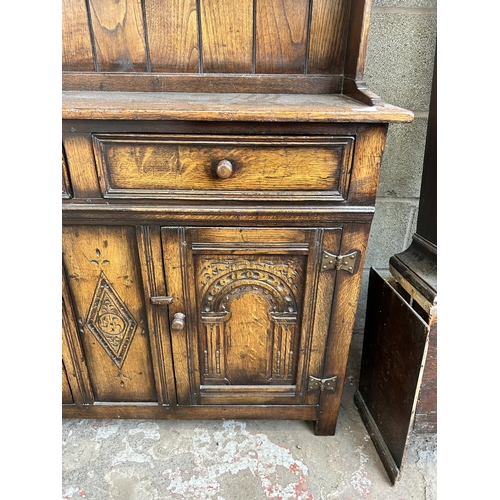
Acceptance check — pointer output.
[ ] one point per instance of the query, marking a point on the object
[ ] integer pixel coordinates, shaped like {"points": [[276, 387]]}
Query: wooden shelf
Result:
{"points": [[226, 107]]}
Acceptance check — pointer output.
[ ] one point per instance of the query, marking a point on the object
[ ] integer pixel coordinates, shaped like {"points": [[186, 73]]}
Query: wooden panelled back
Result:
{"points": [[249, 38]]}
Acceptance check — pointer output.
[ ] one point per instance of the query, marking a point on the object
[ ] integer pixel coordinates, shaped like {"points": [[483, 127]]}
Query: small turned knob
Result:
{"points": [[224, 169], [179, 321]]}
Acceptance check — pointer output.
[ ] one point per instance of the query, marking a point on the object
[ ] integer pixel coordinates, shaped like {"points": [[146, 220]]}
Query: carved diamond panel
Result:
{"points": [[110, 321]]}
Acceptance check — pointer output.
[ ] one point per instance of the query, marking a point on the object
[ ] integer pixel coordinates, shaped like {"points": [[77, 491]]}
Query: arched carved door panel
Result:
{"points": [[250, 300]]}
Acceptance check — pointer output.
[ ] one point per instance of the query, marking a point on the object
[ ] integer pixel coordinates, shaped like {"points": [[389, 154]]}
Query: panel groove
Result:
{"points": [[308, 36], [92, 36], [254, 35], [146, 38], [200, 36]]}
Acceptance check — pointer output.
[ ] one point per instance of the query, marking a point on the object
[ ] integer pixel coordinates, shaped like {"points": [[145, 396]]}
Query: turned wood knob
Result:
{"points": [[179, 321], [224, 169]]}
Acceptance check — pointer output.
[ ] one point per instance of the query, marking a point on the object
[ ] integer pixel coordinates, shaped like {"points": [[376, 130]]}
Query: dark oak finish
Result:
{"points": [[395, 345], [218, 190], [397, 393]]}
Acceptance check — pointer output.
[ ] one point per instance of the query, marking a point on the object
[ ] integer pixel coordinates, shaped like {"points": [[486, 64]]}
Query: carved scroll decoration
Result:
{"points": [[110, 321], [224, 280]]}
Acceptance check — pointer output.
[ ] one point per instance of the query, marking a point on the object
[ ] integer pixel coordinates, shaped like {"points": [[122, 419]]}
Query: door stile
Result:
{"points": [[150, 252], [308, 311], [324, 295], [72, 351], [174, 262], [347, 286]]}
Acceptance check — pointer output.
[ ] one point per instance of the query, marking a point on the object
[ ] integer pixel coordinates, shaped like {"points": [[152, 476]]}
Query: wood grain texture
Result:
{"points": [[426, 410], [226, 107], [172, 35], [118, 29], [174, 263], [281, 36], [103, 276], [226, 34], [324, 296], [251, 313], [172, 167], [207, 82], [370, 142], [80, 159], [180, 88], [344, 305], [255, 214], [357, 41], [67, 397], [67, 191], [150, 256], [278, 412], [329, 23], [118, 126], [394, 350], [77, 52], [73, 359]]}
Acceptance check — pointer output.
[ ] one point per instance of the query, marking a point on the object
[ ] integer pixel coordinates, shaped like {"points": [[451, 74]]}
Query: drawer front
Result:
{"points": [[214, 167]]}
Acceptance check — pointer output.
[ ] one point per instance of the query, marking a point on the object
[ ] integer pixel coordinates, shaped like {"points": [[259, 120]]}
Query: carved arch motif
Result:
{"points": [[223, 281]]}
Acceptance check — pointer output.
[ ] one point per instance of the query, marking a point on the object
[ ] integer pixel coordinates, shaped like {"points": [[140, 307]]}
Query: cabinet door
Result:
{"points": [[110, 275], [246, 304]]}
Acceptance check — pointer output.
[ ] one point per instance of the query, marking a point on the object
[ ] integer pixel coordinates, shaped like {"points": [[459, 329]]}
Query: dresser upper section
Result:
{"points": [[282, 46], [304, 52]]}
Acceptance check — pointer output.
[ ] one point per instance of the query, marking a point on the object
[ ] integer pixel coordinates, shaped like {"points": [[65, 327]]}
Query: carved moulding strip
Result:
{"points": [[110, 321]]}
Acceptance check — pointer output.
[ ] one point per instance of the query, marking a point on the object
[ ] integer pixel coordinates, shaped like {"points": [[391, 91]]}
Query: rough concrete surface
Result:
{"points": [[239, 459]]}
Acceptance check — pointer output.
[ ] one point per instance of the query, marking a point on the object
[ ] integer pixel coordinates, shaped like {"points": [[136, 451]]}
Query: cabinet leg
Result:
{"points": [[326, 423]]}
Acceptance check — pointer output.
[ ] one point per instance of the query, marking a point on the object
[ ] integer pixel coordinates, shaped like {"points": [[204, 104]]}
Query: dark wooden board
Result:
{"points": [[394, 350]]}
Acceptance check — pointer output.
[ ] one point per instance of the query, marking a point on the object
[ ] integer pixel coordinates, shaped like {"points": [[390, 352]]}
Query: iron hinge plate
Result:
{"points": [[161, 300], [339, 262], [322, 384]]}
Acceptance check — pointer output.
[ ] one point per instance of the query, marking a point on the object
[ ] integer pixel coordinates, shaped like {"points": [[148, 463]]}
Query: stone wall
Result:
{"points": [[399, 68]]}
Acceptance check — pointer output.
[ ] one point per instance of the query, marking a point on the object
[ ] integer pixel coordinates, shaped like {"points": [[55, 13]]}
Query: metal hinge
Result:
{"points": [[161, 300], [339, 262], [322, 384]]}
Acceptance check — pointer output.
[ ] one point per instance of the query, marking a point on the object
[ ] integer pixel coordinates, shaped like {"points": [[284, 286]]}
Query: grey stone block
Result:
{"points": [[426, 4], [393, 226], [402, 162], [400, 58]]}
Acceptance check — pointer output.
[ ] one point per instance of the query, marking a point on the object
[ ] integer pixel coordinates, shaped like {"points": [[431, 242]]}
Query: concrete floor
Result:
{"points": [[239, 460]]}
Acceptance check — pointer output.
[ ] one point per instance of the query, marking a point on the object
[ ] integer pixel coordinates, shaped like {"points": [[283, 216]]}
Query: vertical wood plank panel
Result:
{"points": [[172, 35], [328, 36], [76, 41], [281, 36], [119, 35], [226, 32]]}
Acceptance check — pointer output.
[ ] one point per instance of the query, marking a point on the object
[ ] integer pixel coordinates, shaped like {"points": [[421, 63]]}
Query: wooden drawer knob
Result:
{"points": [[224, 169], [179, 321]]}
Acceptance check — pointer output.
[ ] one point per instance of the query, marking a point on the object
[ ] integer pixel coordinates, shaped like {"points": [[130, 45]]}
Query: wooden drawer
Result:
{"points": [[222, 167]]}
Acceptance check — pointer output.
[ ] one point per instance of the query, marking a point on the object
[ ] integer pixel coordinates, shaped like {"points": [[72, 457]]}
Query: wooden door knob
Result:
{"points": [[179, 321], [224, 169]]}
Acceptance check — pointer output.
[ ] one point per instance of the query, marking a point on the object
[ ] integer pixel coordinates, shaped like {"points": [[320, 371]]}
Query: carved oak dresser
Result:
{"points": [[219, 172]]}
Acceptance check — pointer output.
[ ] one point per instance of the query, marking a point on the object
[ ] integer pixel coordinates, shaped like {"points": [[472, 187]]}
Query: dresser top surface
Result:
{"points": [[226, 107]]}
